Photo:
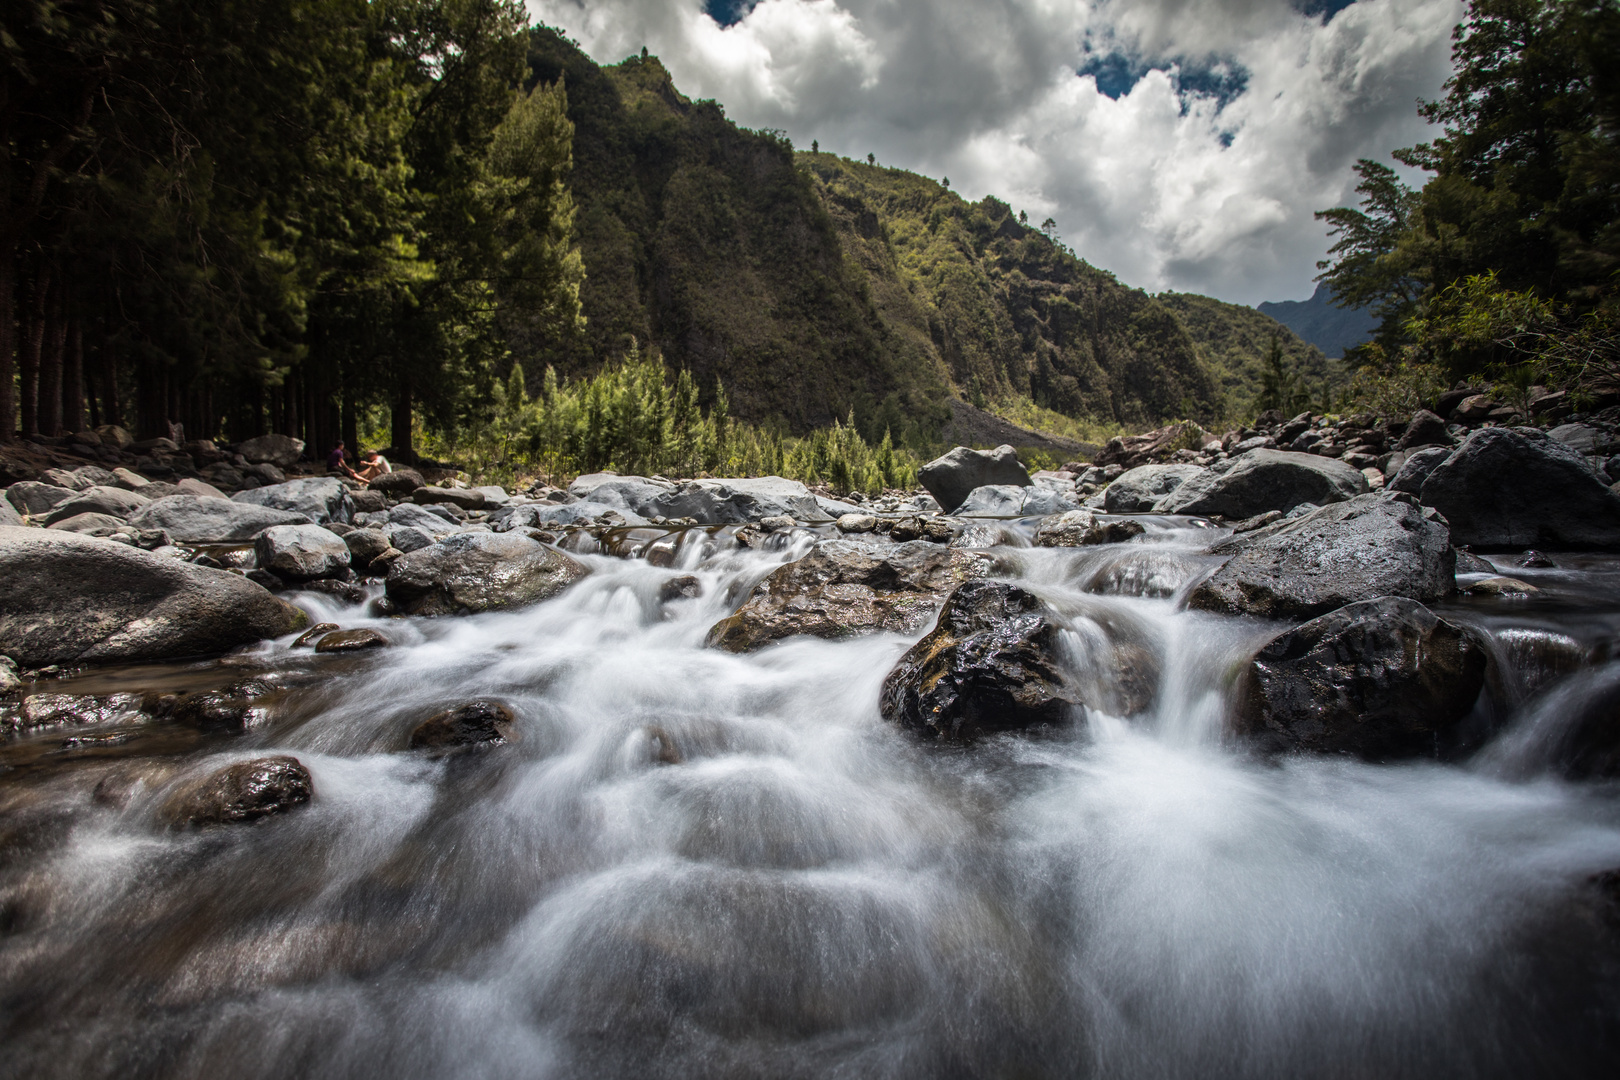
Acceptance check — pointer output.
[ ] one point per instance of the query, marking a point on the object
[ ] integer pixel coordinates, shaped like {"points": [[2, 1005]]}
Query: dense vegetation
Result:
{"points": [[1238, 342], [1504, 263]]}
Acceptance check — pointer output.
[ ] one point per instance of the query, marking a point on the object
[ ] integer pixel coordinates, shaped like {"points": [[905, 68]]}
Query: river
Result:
{"points": [[696, 864]]}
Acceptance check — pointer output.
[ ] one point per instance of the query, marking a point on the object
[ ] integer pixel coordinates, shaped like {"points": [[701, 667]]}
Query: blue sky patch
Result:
{"points": [[1117, 72], [730, 12], [1325, 8]]}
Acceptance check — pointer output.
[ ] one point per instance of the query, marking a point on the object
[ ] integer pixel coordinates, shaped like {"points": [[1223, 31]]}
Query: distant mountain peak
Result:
{"points": [[1323, 323]]}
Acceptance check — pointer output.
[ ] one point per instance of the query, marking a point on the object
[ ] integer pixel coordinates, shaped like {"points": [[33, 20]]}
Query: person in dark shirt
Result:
{"points": [[335, 460]]}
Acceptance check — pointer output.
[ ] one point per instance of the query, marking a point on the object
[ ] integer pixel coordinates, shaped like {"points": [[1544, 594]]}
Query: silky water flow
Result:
{"points": [[691, 863]]}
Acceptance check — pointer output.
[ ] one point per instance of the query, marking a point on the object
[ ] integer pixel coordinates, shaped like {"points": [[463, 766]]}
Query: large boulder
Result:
{"points": [[473, 572], [112, 501], [844, 588], [281, 451], [9, 515], [1335, 555], [1426, 429], [1262, 480], [301, 552], [245, 791], [1416, 469], [550, 515], [419, 517], [1513, 488], [190, 519], [36, 499], [951, 479], [1140, 490], [92, 524], [1009, 500], [66, 598], [1380, 679], [728, 501], [993, 662], [461, 498], [322, 499], [399, 483], [477, 723]]}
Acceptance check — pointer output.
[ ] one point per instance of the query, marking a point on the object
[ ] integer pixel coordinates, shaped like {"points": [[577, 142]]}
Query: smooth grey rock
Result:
{"points": [[190, 519], [731, 501], [66, 479], [1006, 500], [857, 523], [365, 545], [1417, 467], [95, 476], [1262, 480], [322, 499], [190, 485], [1080, 528], [1380, 679], [1581, 438], [1507, 488], [1139, 490], [1339, 554], [9, 515], [90, 524], [408, 538], [130, 480], [952, 477], [112, 501], [36, 499], [419, 517], [301, 552], [494, 495], [280, 450], [76, 599], [463, 498], [398, 483], [480, 571]]}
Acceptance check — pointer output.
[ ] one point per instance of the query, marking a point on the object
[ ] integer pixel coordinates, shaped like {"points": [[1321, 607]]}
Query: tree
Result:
{"points": [[1280, 387]]}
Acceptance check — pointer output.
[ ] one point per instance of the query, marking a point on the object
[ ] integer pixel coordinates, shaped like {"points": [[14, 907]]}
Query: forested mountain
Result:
{"points": [[1331, 328], [1236, 341]]}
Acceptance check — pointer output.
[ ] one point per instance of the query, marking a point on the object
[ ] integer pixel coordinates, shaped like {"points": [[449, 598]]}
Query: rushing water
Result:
{"points": [[697, 864]]}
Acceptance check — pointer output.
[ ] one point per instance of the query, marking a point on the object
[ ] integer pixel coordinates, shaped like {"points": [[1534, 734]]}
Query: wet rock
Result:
{"points": [[36, 499], [265, 579], [1417, 468], [301, 552], [477, 723], [365, 545], [368, 501], [857, 523], [1426, 429], [408, 538], [917, 527], [245, 791], [1140, 489], [1535, 560], [347, 591], [351, 641], [729, 501], [685, 587], [1259, 521], [112, 501], [843, 588], [58, 710], [190, 519], [1262, 480], [1340, 554], [399, 483], [308, 637], [982, 535], [473, 572], [1380, 679], [463, 498], [1008, 500], [321, 499], [951, 478], [378, 567], [1469, 563], [230, 709], [1501, 586], [72, 598], [282, 451], [776, 523], [1079, 528], [992, 663], [1507, 488]]}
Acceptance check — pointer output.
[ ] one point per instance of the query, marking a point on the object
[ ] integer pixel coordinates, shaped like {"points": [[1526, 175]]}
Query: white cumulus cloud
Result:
{"points": [[1244, 117]]}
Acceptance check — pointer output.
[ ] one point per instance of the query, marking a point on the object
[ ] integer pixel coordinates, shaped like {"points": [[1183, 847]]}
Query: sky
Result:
{"points": [[1182, 144]]}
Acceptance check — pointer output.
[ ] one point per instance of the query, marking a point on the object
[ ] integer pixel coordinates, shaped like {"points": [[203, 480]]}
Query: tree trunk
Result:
{"points": [[73, 379], [29, 360], [50, 365], [110, 411], [8, 343], [400, 433]]}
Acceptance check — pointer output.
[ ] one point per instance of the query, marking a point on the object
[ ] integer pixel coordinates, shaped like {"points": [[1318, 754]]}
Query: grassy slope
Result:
{"points": [[812, 284], [1234, 338]]}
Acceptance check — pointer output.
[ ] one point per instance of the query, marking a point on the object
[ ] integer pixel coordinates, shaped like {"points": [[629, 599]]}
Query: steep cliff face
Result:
{"points": [[813, 285]]}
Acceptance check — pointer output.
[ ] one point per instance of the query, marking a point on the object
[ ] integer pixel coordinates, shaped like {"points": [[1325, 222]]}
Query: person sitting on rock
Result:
{"points": [[374, 466], [337, 460]]}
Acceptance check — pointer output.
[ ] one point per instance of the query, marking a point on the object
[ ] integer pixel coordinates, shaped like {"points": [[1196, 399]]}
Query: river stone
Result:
{"points": [[91, 476], [36, 499], [367, 501], [1335, 555], [477, 723], [993, 662], [190, 519], [302, 552], [351, 641], [9, 516], [1262, 480], [1381, 679], [398, 483], [1506, 488], [1417, 468], [230, 709], [321, 499], [115, 502], [365, 545], [461, 498], [1140, 490], [541, 515], [408, 538], [313, 634], [918, 527], [1009, 500], [729, 501], [951, 478], [64, 479], [857, 523], [190, 485], [473, 572], [90, 524], [281, 451], [419, 517], [245, 791], [76, 599], [843, 588], [1079, 528], [1426, 429]]}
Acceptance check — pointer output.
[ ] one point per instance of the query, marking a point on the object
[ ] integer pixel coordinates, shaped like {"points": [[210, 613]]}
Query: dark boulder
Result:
{"points": [[843, 588], [472, 572], [1416, 469], [1380, 679], [365, 545], [314, 633], [992, 663], [477, 723], [684, 587], [461, 498], [230, 709], [76, 599], [399, 483], [1507, 488], [279, 450], [1426, 429], [246, 791], [918, 527], [35, 499], [351, 641], [1335, 555], [1080, 528], [1262, 480], [951, 478]]}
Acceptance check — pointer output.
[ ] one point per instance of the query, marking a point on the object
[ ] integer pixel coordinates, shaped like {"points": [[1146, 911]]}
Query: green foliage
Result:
{"points": [[1235, 341]]}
